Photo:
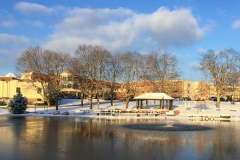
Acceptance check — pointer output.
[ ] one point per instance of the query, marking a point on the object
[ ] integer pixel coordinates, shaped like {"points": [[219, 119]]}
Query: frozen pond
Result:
{"points": [[86, 138]]}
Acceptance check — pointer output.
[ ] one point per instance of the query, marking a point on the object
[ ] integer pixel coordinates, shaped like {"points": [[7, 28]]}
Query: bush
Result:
{"points": [[18, 104], [2, 102]]}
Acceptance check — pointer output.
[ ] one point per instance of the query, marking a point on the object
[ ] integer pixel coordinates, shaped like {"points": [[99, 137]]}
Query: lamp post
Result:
{"points": [[56, 85]]}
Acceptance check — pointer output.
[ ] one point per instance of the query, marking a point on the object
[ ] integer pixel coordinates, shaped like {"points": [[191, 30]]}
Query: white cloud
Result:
{"points": [[201, 50], [26, 7], [5, 52], [38, 24], [236, 24], [9, 23], [119, 29], [194, 65], [122, 29], [12, 39]]}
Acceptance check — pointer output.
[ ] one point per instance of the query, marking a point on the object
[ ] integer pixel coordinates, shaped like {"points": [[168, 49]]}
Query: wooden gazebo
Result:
{"points": [[155, 97]]}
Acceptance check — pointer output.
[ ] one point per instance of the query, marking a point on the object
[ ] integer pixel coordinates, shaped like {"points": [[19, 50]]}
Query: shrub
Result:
{"points": [[106, 96], [18, 104], [2, 102]]}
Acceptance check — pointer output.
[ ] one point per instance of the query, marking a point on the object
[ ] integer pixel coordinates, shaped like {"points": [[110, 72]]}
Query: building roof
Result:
{"points": [[67, 71], [154, 96], [10, 75]]}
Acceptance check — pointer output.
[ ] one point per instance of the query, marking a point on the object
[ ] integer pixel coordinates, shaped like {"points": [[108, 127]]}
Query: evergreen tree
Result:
{"points": [[18, 104], [106, 96]]}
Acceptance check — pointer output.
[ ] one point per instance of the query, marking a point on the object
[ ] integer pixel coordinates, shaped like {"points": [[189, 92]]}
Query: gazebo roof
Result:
{"points": [[154, 96]]}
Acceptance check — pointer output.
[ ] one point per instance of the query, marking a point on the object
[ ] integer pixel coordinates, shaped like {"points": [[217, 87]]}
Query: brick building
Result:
{"points": [[201, 90]]}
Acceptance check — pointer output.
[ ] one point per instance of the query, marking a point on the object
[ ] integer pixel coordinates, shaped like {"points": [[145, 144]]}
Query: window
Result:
{"points": [[18, 89], [69, 86], [74, 86], [70, 78], [64, 78]]}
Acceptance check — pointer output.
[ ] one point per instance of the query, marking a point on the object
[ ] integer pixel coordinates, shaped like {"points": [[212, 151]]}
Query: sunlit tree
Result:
{"points": [[222, 67]]}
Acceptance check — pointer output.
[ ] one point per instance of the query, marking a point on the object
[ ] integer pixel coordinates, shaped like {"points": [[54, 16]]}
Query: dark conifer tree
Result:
{"points": [[18, 104]]}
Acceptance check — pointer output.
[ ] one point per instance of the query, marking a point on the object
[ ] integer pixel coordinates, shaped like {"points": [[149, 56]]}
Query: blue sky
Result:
{"points": [[182, 27]]}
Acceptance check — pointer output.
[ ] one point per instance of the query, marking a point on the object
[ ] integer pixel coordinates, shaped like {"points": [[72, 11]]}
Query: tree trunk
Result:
{"points": [[56, 102], [48, 103], [233, 98], [112, 99], [112, 94], [82, 97], [218, 101], [90, 105], [97, 101], [127, 102]]}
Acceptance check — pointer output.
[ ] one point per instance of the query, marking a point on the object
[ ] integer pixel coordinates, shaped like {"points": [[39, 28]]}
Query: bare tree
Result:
{"points": [[79, 77], [45, 67], [133, 70], [112, 75], [93, 60], [162, 69], [232, 85], [221, 66], [202, 91]]}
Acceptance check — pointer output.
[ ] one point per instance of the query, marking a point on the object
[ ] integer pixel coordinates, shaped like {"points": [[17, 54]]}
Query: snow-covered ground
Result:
{"points": [[186, 108]]}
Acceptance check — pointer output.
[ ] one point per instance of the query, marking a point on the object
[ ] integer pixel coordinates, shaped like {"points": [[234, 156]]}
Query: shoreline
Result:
{"points": [[189, 110], [123, 116]]}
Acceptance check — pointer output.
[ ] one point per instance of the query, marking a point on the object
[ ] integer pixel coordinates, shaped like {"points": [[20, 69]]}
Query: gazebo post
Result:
{"points": [[170, 102], [136, 103], [154, 103], [162, 103], [141, 103], [146, 104]]}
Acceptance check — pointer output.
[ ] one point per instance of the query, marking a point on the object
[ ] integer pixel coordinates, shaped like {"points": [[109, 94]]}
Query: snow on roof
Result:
{"points": [[10, 75], [153, 96]]}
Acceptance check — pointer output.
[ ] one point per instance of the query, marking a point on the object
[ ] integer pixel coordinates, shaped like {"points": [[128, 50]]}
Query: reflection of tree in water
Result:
{"points": [[226, 141], [17, 126], [46, 132], [53, 134], [160, 143], [100, 132], [200, 143], [74, 135]]}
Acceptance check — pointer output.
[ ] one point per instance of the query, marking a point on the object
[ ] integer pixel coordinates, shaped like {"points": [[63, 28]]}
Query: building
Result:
{"points": [[70, 87], [69, 84], [181, 89], [10, 84]]}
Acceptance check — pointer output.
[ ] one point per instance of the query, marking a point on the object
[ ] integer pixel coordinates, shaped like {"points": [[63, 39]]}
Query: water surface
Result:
{"points": [[89, 139]]}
